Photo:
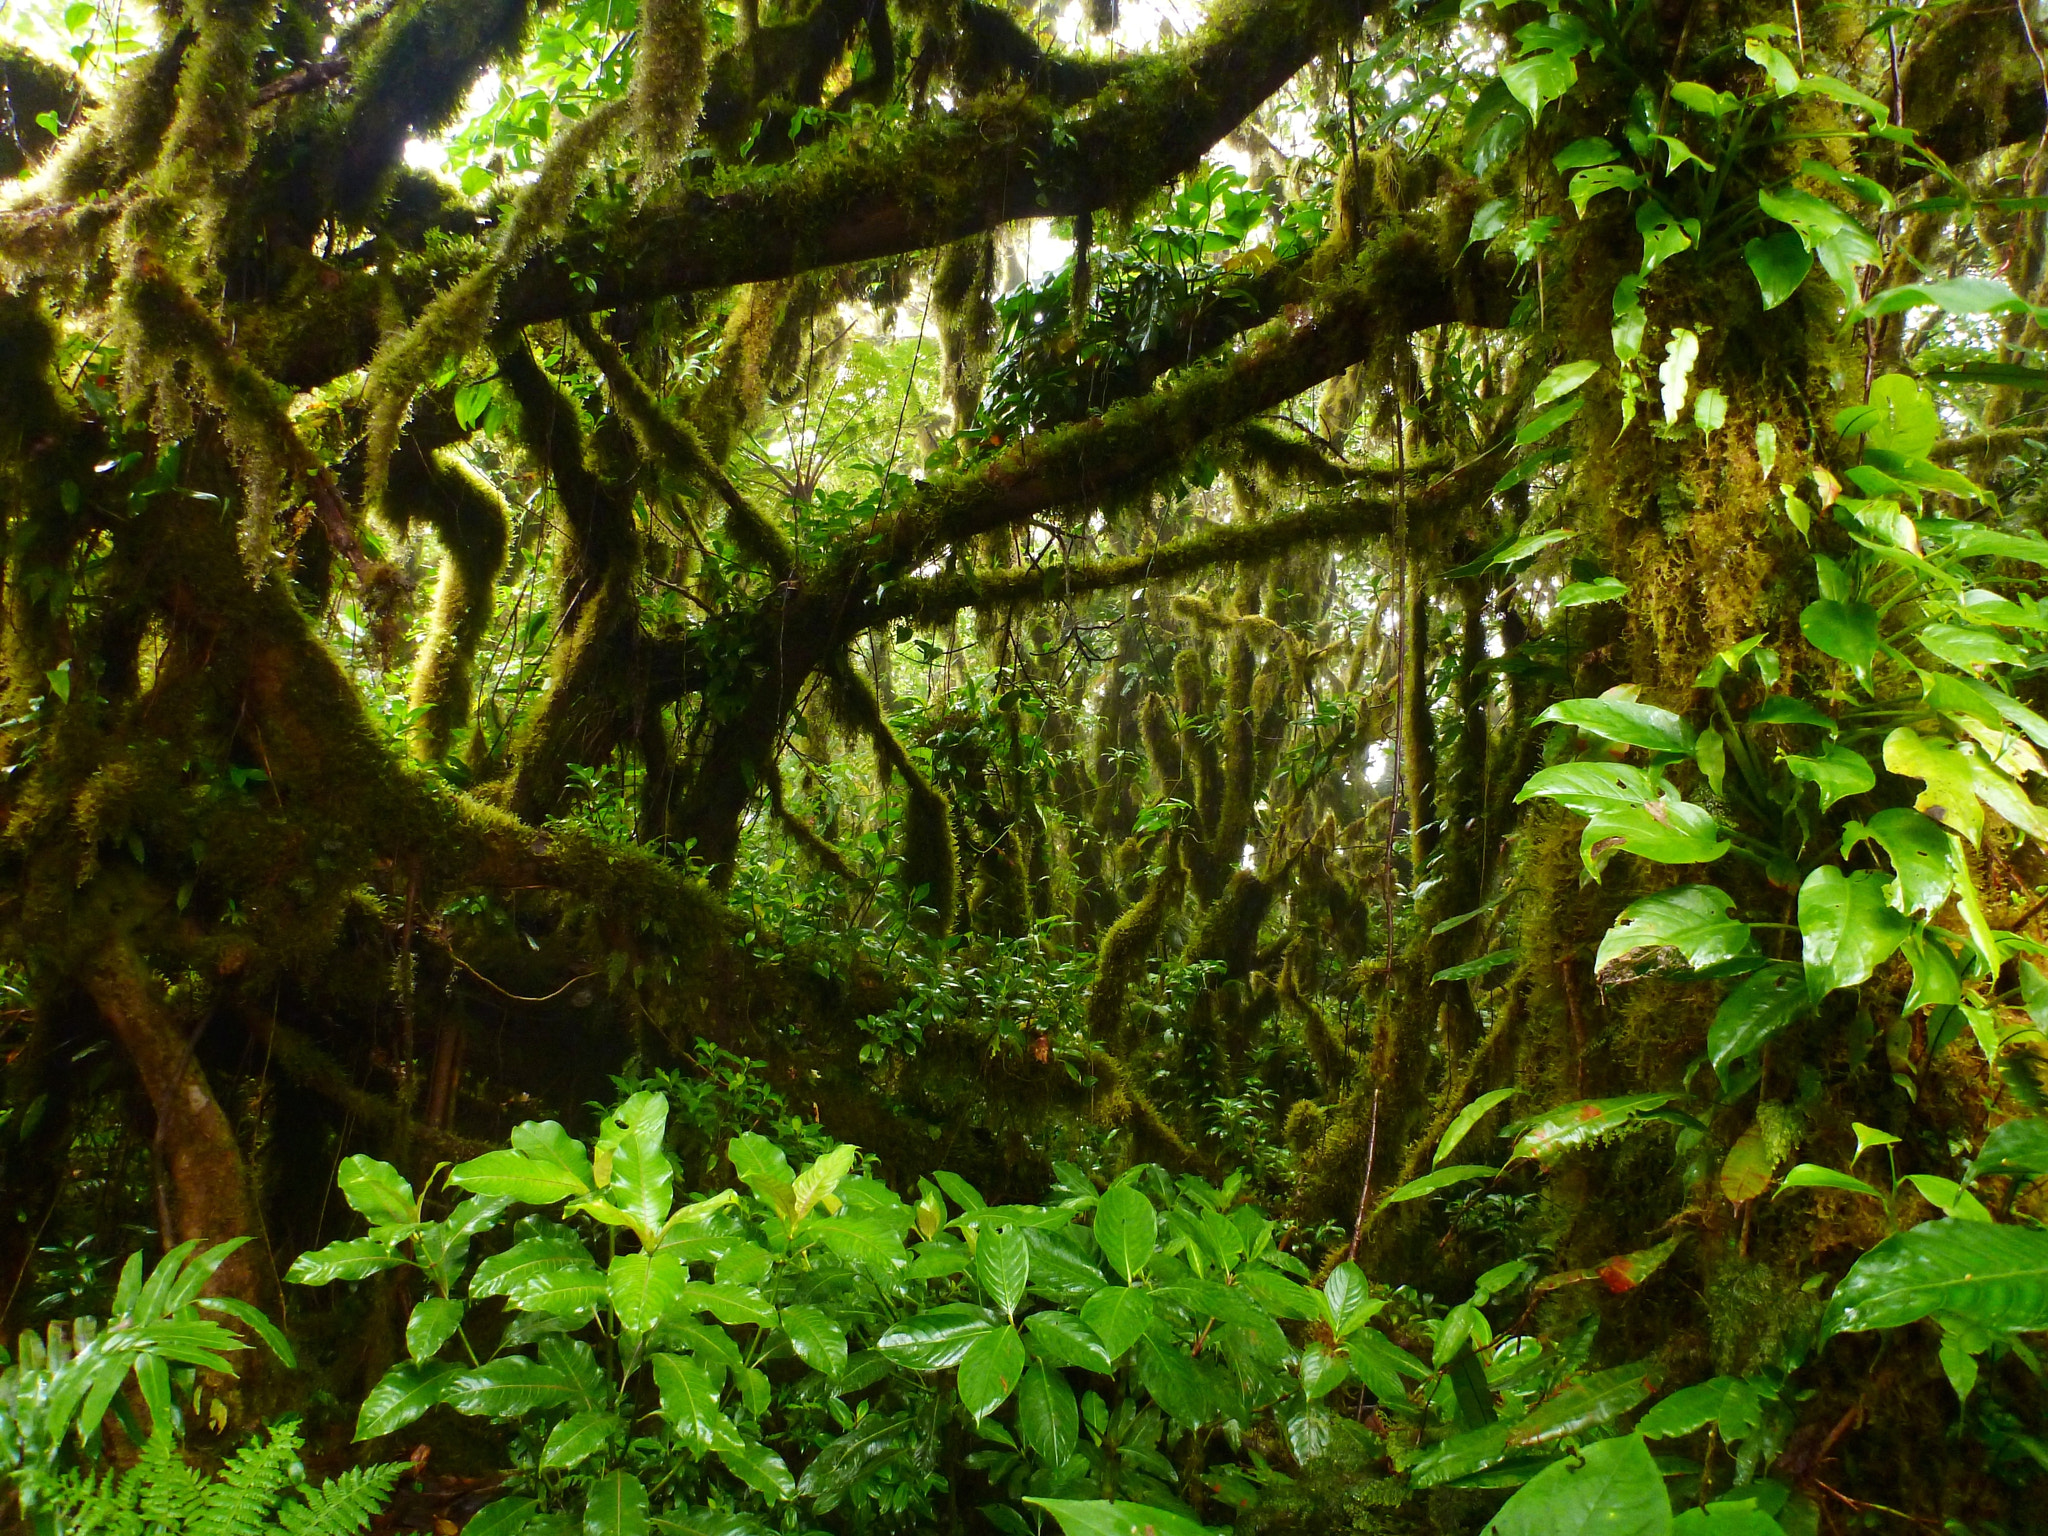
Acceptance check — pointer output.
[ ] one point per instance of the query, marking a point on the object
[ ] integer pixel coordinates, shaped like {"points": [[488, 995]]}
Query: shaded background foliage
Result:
{"points": [[698, 587]]}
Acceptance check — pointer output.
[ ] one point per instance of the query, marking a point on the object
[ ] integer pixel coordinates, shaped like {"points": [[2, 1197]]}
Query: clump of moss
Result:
{"points": [[456, 321], [668, 82]]}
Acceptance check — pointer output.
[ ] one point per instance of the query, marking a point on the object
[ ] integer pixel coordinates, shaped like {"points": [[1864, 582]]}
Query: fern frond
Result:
{"points": [[239, 1503], [97, 1506], [169, 1496], [343, 1507]]}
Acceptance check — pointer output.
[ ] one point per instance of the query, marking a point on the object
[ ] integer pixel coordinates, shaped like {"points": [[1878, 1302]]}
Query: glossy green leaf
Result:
{"points": [[1466, 1119], [1970, 648], [2017, 1148], [1957, 296], [1441, 1178], [1765, 1001], [405, 1392], [642, 1286], [1048, 1416], [503, 1517], [1589, 788], [1725, 1519], [1118, 1316], [1995, 1277], [354, 1258], [1540, 79], [1127, 1229], [816, 1336], [1589, 184], [1101, 1517], [1348, 1299], [1571, 1126], [1847, 631], [616, 1505], [376, 1191], [1692, 919], [1062, 1339], [577, 1438], [1561, 381], [1783, 709], [1846, 928], [990, 1371], [1592, 1400], [1837, 773], [1666, 831], [1780, 263], [1918, 848], [938, 1339], [689, 1401], [632, 1164], [1612, 1488], [760, 1468], [764, 1169], [432, 1324], [517, 1177], [508, 1387], [1624, 721], [1601, 589], [1002, 1263], [1727, 1401]]}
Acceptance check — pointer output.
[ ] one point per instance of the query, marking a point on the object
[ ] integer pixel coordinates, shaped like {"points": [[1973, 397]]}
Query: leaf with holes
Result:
{"points": [[1692, 919], [1846, 928]]}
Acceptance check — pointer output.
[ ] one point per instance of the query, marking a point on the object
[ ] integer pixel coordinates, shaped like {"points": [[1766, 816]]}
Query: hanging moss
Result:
{"points": [[930, 857], [474, 525], [1127, 943], [669, 76], [455, 322], [962, 299]]}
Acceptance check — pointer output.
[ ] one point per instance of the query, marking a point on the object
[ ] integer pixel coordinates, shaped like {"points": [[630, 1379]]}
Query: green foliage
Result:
{"points": [[260, 1491], [58, 1388]]}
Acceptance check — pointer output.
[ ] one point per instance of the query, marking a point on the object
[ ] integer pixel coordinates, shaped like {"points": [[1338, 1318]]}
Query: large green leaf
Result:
{"points": [[1837, 773], [1002, 1263], [816, 1337], [759, 1468], [509, 1387], [935, 1340], [1780, 262], [689, 1401], [1919, 850], [1468, 1117], [377, 1191], [1589, 788], [1845, 630], [1666, 830], [642, 1286], [504, 1517], [1727, 1401], [577, 1438], [1535, 82], [517, 1177], [1048, 1416], [1765, 1002], [1577, 1125], [990, 1371], [615, 1506], [1612, 1488], [405, 1392], [1439, 1178], [764, 1169], [2018, 1148], [1127, 1229], [1593, 1400], [432, 1324], [527, 1264], [1813, 1176], [1725, 1519], [1118, 1315], [1100, 1517], [1060, 1338], [1846, 928], [1623, 721], [353, 1258], [1995, 1277], [1692, 919], [631, 1164]]}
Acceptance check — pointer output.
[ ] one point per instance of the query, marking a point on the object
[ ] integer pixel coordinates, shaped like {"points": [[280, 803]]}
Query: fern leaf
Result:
{"points": [[169, 1496], [345, 1506], [240, 1502], [97, 1506]]}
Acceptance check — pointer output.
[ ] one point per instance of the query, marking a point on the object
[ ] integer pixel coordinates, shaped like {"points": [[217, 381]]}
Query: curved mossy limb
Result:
{"points": [[931, 857], [475, 528], [1127, 942]]}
